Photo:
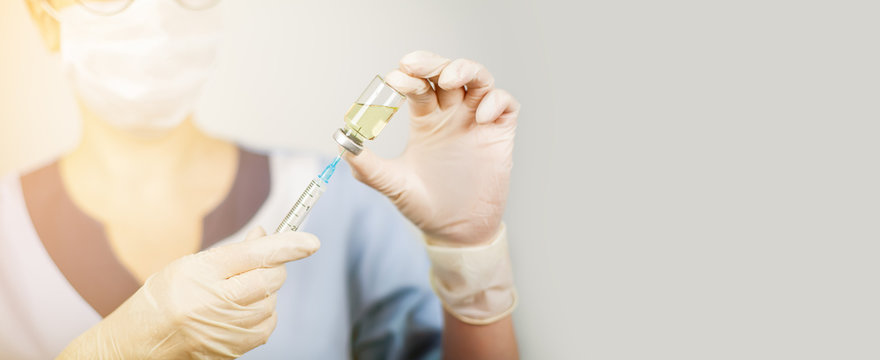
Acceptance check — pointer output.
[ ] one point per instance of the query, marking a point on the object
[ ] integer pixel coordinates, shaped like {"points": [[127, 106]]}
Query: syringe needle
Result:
{"points": [[309, 197]]}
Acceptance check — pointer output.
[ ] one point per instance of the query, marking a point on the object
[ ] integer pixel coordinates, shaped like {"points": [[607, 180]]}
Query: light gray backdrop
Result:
{"points": [[693, 179]]}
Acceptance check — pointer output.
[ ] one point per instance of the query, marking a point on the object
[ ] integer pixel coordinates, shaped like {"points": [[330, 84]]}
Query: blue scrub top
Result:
{"points": [[366, 293]]}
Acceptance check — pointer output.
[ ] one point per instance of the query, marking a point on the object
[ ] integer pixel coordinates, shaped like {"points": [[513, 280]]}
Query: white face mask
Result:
{"points": [[142, 69]]}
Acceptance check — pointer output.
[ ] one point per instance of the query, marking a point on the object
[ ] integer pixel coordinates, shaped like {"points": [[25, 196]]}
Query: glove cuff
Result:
{"points": [[475, 284]]}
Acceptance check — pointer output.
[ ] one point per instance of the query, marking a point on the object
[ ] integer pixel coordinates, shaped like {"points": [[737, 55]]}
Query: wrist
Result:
{"points": [[95, 343], [120, 335], [474, 283], [477, 241]]}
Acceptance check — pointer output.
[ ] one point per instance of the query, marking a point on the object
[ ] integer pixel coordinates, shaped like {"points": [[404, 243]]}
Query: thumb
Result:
{"points": [[381, 174], [265, 252]]}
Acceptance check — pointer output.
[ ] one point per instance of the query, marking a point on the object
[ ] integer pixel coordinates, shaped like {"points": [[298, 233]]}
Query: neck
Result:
{"points": [[110, 153], [150, 194]]}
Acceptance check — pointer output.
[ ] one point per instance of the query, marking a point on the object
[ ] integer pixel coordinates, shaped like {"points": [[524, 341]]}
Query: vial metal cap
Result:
{"points": [[349, 144]]}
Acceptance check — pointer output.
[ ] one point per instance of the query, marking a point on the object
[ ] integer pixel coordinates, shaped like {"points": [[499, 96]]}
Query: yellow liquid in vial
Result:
{"points": [[368, 121]]}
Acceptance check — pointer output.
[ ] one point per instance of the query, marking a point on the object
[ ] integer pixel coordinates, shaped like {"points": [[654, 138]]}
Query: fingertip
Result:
{"points": [[361, 164], [352, 159], [453, 76], [416, 57], [450, 81], [307, 241], [347, 155], [516, 106], [312, 243], [423, 64], [489, 109], [396, 79], [290, 246], [406, 84]]}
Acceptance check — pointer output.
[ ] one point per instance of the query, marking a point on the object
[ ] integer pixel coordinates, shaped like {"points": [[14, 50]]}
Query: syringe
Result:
{"points": [[363, 121], [309, 197]]}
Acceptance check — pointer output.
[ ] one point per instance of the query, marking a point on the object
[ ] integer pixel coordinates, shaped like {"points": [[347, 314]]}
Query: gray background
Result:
{"points": [[693, 179]]}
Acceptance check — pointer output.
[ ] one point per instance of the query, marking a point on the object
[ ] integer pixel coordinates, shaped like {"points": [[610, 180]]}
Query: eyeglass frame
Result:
{"points": [[54, 12]]}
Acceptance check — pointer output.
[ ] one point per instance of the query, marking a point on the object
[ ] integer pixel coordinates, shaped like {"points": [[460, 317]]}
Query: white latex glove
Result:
{"points": [[452, 179], [219, 303]]}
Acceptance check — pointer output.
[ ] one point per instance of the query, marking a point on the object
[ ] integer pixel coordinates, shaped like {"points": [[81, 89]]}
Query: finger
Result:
{"points": [[258, 334], [464, 72], [376, 172], [265, 252], [255, 285], [255, 233], [254, 314], [427, 65], [419, 93], [497, 106], [423, 64]]}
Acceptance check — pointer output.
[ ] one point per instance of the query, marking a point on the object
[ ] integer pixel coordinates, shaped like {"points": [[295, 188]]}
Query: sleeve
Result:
{"points": [[395, 314]]}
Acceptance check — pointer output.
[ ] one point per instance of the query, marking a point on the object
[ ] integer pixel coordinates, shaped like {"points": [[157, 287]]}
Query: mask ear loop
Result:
{"points": [[50, 10], [209, 4], [54, 13]]}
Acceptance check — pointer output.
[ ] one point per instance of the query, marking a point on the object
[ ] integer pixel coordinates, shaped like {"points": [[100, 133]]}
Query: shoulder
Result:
{"points": [[11, 182], [12, 207], [9, 178], [8, 184], [13, 178]]}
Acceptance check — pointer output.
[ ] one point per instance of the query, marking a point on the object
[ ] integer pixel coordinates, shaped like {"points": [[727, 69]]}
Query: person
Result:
{"points": [[130, 245]]}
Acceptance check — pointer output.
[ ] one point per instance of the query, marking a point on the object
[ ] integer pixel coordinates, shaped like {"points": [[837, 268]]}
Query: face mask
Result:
{"points": [[142, 69]]}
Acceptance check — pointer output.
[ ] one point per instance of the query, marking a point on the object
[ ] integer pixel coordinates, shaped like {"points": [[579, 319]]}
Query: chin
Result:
{"points": [[147, 132]]}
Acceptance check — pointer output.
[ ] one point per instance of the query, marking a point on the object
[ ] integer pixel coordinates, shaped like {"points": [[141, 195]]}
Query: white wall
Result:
{"points": [[692, 180]]}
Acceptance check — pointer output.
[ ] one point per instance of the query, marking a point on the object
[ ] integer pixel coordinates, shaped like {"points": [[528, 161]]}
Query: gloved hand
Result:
{"points": [[452, 179], [219, 303]]}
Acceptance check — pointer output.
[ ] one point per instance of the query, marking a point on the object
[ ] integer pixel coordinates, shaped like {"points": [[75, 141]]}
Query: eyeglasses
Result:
{"points": [[113, 7]]}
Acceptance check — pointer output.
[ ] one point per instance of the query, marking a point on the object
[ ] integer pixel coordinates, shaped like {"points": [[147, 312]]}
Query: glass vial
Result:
{"points": [[368, 115]]}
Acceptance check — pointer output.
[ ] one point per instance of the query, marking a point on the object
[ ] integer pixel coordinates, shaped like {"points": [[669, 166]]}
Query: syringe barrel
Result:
{"points": [[303, 206]]}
